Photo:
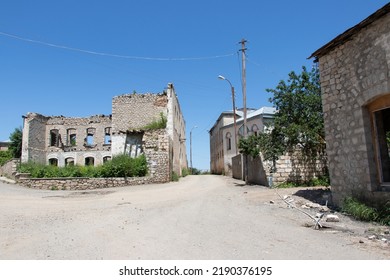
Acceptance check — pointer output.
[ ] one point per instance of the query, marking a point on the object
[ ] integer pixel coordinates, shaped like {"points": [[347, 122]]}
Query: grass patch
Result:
{"points": [[363, 212], [119, 166], [320, 181], [157, 124]]}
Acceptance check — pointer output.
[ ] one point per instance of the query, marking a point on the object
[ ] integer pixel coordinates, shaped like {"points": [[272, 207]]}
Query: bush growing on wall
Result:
{"points": [[4, 157], [119, 166]]}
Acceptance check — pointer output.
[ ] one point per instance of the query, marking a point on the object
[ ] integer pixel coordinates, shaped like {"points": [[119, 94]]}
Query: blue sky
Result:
{"points": [[36, 77]]}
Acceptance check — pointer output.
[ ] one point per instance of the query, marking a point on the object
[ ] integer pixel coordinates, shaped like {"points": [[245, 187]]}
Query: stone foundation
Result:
{"points": [[83, 183]]}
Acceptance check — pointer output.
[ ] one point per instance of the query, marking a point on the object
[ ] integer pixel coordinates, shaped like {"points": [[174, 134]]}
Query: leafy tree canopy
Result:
{"points": [[16, 143], [298, 121]]}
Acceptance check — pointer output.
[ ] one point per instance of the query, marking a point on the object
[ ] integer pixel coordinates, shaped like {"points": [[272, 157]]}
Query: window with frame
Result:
{"points": [[71, 139], [89, 161], [54, 138], [53, 162], [107, 158], [107, 136], [228, 141], [380, 121], [69, 161], [89, 140]]}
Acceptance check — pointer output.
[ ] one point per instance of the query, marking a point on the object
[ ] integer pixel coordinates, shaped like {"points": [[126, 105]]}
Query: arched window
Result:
{"points": [[107, 158], [69, 161], [89, 161], [255, 129], [241, 130], [228, 141], [53, 161]]}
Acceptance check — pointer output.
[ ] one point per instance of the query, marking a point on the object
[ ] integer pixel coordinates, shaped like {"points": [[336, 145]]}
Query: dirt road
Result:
{"points": [[200, 217]]}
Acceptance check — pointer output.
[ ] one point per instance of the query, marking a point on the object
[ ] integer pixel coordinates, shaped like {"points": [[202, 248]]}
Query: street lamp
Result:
{"points": [[191, 146], [234, 110]]}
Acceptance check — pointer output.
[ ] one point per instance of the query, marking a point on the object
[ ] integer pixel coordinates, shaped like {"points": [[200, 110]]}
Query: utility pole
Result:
{"points": [[243, 49]]}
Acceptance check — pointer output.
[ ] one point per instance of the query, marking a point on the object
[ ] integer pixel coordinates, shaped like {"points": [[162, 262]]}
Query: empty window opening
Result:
{"points": [[69, 161], [71, 137], [89, 161], [89, 140], [107, 136], [133, 146], [53, 162], [105, 159], [54, 138], [382, 130]]}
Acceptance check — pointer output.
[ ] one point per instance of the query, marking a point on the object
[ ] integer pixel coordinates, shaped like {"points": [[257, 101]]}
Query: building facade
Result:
{"points": [[93, 140], [223, 146], [355, 81]]}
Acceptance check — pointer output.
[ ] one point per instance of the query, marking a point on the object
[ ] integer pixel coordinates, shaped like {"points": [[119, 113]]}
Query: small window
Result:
{"points": [[69, 161], [107, 136], [89, 140], [105, 159], [89, 161], [255, 129], [228, 141], [53, 162], [71, 140], [54, 138]]}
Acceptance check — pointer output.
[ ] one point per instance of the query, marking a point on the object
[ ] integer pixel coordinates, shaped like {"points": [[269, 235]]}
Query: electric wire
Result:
{"points": [[110, 54]]}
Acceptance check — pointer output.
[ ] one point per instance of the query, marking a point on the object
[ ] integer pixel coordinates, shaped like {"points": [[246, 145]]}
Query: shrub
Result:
{"points": [[119, 166], [5, 156], [157, 124], [174, 177], [185, 172]]}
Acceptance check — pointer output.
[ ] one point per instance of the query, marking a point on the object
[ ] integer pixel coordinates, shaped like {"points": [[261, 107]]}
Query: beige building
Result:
{"points": [[93, 140], [223, 146], [355, 83]]}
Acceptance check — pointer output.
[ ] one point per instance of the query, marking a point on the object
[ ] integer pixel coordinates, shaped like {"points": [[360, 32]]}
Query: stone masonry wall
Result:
{"points": [[37, 144], [33, 142], [80, 150], [9, 168], [295, 168], [134, 111], [352, 75], [83, 183]]}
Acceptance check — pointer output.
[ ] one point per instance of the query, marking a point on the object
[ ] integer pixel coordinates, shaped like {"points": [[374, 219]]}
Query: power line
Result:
{"points": [[110, 54]]}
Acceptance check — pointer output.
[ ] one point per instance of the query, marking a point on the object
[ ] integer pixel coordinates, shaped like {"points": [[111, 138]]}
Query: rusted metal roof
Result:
{"points": [[344, 37]]}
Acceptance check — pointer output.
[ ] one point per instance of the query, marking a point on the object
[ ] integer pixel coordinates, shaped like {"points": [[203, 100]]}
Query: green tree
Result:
{"points": [[16, 142], [298, 120], [299, 117]]}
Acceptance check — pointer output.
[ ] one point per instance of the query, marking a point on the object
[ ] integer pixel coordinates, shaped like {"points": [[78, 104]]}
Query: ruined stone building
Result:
{"points": [[93, 140], [355, 83]]}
